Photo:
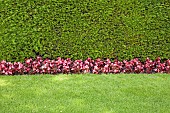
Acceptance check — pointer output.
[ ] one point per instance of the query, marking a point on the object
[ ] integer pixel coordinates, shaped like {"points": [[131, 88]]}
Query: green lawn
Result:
{"points": [[124, 93]]}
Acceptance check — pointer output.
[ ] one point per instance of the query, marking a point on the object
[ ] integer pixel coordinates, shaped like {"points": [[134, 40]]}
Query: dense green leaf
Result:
{"points": [[81, 28]]}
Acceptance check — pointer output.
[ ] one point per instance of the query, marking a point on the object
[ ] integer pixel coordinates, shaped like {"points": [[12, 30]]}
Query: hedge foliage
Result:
{"points": [[79, 29]]}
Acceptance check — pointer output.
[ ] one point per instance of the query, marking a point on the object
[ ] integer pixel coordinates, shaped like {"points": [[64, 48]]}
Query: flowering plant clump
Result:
{"points": [[67, 66]]}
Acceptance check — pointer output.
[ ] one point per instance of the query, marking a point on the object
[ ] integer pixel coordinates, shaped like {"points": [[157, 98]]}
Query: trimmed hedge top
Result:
{"points": [[78, 29]]}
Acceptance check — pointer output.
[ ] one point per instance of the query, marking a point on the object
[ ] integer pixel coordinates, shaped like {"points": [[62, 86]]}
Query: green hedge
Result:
{"points": [[84, 28]]}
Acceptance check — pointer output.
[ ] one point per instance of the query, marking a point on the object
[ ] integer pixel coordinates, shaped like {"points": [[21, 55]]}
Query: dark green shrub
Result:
{"points": [[82, 28]]}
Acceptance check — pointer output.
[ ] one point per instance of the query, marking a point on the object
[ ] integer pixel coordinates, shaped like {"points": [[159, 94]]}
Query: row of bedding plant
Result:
{"points": [[97, 66]]}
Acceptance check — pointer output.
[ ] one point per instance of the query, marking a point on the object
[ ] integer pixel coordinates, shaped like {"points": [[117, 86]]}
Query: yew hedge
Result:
{"points": [[78, 29]]}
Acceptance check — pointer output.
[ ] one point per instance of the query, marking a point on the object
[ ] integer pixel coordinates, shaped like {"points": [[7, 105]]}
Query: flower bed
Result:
{"points": [[66, 66]]}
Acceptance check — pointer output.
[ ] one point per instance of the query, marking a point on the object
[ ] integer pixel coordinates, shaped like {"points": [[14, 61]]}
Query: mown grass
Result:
{"points": [[131, 93]]}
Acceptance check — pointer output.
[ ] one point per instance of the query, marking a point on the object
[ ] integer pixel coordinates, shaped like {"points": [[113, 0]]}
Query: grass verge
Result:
{"points": [[89, 93]]}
